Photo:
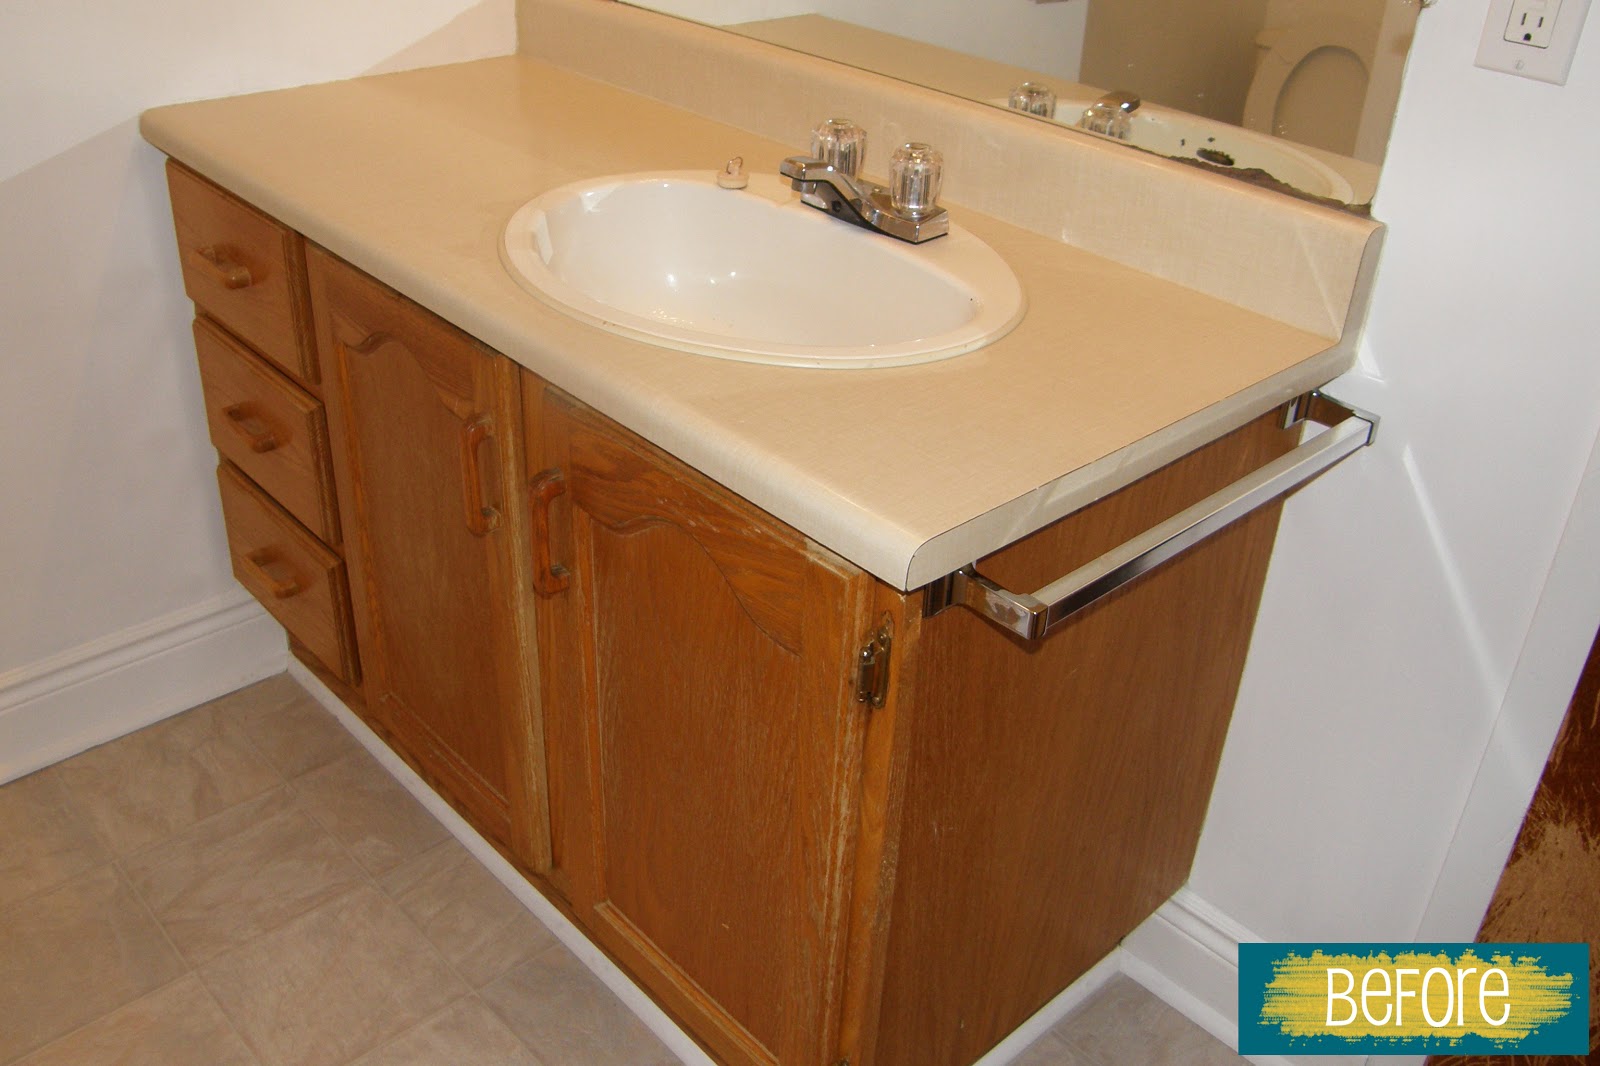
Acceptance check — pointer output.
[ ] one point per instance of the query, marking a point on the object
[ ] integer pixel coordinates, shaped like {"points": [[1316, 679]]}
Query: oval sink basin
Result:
{"points": [[754, 274], [1180, 135]]}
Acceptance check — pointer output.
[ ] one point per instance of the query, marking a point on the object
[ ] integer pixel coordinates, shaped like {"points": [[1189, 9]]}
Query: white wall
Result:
{"points": [[108, 513], [1404, 585], [1042, 37], [1046, 37], [727, 12]]}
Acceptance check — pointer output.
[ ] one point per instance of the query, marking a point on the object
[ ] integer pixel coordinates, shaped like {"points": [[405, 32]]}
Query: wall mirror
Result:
{"points": [[1286, 93]]}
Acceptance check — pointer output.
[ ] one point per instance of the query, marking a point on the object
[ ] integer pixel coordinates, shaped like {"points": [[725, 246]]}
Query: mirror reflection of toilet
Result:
{"points": [[1311, 81], [1328, 72]]}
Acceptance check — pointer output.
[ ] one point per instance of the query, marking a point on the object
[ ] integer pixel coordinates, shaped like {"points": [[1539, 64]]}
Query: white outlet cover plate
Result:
{"points": [[1542, 64]]}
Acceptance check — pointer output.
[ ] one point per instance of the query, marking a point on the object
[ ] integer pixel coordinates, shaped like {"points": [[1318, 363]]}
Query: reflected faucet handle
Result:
{"points": [[841, 144], [1034, 99], [1110, 115]]}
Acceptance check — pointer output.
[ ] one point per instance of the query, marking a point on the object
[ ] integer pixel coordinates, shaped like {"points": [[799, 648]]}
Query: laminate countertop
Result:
{"points": [[908, 472]]}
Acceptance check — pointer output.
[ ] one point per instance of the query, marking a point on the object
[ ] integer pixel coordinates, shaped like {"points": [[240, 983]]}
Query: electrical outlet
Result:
{"points": [[1533, 22], [1532, 38]]}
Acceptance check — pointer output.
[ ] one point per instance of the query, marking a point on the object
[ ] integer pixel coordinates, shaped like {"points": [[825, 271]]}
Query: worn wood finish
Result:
{"points": [[884, 765], [701, 666], [268, 427], [437, 558], [1054, 793], [246, 270], [299, 581], [1549, 890]]}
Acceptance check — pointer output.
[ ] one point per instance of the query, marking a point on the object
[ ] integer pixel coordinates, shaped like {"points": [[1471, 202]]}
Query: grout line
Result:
{"points": [[111, 857], [144, 904], [397, 1037], [257, 1053], [53, 1041], [244, 1042], [374, 880], [472, 989]]}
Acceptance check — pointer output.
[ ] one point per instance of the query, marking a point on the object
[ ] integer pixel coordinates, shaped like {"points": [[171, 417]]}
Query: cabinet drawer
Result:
{"points": [[294, 576], [269, 428], [245, 270]]}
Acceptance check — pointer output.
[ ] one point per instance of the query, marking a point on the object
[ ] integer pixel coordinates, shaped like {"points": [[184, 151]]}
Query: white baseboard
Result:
{"points": [[57, 707], [1187, 955]]}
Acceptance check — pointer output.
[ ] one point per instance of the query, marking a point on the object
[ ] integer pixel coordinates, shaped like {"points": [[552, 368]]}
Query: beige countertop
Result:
{"points": [[908, 472]]}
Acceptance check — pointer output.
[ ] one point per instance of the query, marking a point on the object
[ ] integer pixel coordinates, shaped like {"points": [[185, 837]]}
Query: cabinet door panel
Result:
{"points": [[706, 669], [428, 424]]}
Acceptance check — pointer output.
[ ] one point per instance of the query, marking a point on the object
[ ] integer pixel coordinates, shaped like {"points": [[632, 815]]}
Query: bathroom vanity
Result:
{"points": [[663, 627]]}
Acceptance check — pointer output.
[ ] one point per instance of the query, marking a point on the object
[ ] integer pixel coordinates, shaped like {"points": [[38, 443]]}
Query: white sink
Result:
{"points": [[754, 274], [1180, 135]]}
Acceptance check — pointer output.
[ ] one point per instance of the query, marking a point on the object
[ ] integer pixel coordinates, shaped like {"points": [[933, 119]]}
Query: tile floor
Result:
{"points": [[243, 885]]}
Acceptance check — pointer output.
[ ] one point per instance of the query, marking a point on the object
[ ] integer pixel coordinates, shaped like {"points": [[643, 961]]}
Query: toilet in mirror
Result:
{"points": [[1296, 95]]}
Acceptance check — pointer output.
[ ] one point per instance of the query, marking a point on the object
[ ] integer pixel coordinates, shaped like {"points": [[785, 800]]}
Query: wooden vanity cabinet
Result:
{"points": [[427, 429], [806, 879], [817, 825]]}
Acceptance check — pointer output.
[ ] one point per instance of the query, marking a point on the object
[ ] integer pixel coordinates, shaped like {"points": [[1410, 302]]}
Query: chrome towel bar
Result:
{"points": [[1032, 615]]}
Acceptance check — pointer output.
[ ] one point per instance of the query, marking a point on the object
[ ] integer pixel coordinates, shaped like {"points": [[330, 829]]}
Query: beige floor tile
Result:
{"points": [[332, 984], [178, 1025], [1125, 1023], [149, 785], [242, 873], [293, 731], [373, 817], [46, 839], [560, 1010], [74, 953], [467, 1032], [469, 916], [1051, 1050]]}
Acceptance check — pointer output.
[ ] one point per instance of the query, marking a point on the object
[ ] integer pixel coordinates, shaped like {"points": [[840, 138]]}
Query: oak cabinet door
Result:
{"points": [[705, 739], [428, 456]]}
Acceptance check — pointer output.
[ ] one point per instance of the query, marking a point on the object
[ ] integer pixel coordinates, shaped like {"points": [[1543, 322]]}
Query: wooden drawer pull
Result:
{"points": [[548, 578], [482, 519], [262, 562], [228, 272], [368, 344], [244, 420]]}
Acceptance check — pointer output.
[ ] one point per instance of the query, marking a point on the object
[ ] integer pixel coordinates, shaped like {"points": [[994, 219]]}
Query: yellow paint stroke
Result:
{"points": [[1297, 997]]}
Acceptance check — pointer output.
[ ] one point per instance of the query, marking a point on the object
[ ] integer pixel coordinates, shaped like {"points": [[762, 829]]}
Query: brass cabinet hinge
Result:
{"points": [[872, 663]]}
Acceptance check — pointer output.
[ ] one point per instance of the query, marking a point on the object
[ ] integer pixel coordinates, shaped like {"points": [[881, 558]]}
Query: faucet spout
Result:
{"points": [[858, 201], [815, 177]]}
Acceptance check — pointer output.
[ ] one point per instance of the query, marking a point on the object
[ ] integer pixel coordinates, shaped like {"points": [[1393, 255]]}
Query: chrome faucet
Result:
{"points": [[826, 180], [1110, 115]]}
